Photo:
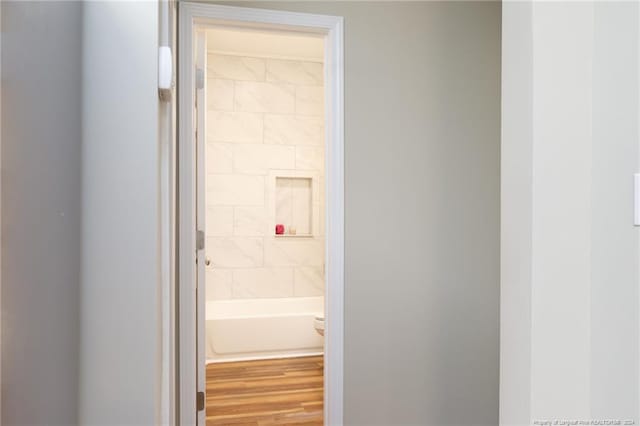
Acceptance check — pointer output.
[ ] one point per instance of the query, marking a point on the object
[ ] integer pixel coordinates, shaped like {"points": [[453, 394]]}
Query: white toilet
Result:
{"points": [[318, 324]]}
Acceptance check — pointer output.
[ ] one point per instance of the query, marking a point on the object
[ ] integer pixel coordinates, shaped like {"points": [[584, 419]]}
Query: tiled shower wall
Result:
{"points": [[264, 119]]}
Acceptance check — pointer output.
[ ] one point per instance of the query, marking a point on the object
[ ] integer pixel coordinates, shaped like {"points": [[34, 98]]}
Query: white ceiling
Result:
{"points": [[269, 44]]}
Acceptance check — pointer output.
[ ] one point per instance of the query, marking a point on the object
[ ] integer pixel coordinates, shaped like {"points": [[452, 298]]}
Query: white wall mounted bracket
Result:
{"points": [[165, 73]]}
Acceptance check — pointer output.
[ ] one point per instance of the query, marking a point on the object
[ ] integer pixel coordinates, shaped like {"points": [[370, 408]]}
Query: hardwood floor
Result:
{"points": [[266, 392]]}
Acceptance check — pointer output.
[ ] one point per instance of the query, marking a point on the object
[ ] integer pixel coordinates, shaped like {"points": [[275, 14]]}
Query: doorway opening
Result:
{"points": [[260, 253], [264, 226]]}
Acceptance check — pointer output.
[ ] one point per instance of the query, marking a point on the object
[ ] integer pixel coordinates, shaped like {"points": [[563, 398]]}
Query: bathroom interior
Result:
{"points": [[265, 227]]}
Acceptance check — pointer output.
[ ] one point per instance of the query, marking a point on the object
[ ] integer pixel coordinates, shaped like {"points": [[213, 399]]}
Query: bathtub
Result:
{"points": [[249, 329]]}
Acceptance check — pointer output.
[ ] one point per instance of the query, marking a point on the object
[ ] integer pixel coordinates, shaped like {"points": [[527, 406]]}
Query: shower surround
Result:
{"points": [[265, 165]]}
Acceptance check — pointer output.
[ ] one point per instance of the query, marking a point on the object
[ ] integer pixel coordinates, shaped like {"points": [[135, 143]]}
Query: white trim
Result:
{"points": [[0, 220], [186, 328], [200, 14], [167, 121], [201, 107], [638, 162]]}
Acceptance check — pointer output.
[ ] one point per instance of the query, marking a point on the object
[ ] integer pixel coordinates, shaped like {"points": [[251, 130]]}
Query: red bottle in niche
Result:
{"points": [[279, 229]]}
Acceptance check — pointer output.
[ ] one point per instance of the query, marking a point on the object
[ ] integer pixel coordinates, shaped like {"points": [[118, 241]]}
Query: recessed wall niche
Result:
{"points": [[294, 205]]}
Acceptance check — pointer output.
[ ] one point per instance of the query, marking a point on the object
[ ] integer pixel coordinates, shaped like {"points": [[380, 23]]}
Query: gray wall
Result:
{"points": [[615, 243], [516, 214], [41, 122], [422, 117], [120, 305]]}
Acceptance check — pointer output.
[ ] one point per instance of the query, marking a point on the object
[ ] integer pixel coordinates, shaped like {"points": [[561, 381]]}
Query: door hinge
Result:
{"points": [[199, 240], [200, 401]]}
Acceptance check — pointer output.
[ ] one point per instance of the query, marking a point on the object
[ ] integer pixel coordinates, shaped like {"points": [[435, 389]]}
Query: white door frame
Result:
{"points": [[190, 16]]}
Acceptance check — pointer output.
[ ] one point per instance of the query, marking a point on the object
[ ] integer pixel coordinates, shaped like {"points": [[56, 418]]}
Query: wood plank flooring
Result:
{"points": [[266, 392]]}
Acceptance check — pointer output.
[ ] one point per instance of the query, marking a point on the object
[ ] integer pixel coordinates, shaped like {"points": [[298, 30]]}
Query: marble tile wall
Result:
{"points": [[264, 116]]}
